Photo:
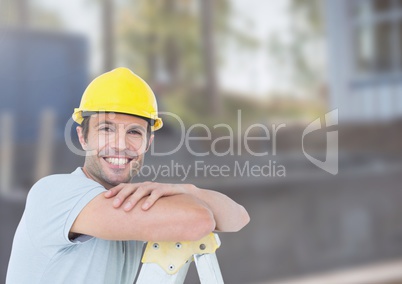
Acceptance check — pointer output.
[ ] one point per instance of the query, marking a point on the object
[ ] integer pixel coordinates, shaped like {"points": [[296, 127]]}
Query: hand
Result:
{"points": [[130, 194]]}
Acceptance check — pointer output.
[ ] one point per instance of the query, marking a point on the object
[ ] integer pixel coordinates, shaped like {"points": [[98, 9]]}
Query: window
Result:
{"points": [[377, 36]]}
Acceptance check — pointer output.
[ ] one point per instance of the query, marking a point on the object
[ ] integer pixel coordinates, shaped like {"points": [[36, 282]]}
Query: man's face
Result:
{"points": [[115, 147]]}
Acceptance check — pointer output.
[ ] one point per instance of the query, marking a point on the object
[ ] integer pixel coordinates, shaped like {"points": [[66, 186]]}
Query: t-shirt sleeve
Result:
{"points": [[52, 206]]}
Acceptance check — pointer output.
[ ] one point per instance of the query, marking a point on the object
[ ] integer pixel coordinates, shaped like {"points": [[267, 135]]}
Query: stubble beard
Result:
{"points": [[135, 167]]}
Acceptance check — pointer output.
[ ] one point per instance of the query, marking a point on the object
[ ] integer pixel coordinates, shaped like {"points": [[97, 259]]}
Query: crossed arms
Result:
{"points": [[159, 212]]}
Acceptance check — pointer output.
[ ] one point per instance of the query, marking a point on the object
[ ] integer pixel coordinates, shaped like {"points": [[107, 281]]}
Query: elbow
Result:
{"points": [[245, 217], [203, 224], [242, 220]]}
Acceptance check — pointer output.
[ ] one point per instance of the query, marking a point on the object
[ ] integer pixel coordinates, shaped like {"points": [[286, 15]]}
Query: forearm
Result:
{"points": [[229, 215], [180, 217], [175, 218]]}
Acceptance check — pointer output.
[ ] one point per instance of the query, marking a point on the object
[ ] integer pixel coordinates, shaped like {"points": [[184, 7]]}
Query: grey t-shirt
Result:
{"points": [[42, 251]]}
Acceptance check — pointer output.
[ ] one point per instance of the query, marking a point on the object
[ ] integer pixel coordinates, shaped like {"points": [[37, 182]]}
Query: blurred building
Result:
{"points": [[42, 77], [40, 70], [365, 44]]}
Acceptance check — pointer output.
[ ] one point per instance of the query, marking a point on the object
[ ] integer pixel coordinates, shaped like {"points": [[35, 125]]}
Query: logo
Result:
{"points": [[233, 142], [330, 164]]}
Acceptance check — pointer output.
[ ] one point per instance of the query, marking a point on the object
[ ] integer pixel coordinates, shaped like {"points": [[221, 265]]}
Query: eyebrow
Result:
{"points": [[103, 122], [130, 127]]}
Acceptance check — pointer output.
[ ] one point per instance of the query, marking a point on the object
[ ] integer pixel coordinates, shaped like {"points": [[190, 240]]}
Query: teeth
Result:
{"points": [[117, 161]]}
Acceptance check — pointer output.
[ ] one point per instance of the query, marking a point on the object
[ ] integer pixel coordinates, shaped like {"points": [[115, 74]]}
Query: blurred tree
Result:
{"points": [[108, 37], [173, 45], [207, 15], [297, 50], [14, 13], [25, 13]]}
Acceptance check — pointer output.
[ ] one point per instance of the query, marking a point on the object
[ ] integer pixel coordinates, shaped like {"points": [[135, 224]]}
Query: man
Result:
{"points": [[89, 226]]}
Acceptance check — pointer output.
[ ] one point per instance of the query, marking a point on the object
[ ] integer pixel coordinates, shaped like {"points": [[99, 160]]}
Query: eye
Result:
{"points": [[135, 132], [105, 129]]}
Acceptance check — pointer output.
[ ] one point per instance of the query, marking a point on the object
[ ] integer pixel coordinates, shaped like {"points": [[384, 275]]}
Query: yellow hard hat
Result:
{"points": [[120, 91]]}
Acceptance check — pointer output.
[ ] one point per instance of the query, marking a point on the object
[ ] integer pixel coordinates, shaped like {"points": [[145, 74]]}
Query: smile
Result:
{"points": [[118, 161]]}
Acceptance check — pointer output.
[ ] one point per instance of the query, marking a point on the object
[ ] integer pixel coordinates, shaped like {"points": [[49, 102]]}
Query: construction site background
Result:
{"points": [[307, 224]]}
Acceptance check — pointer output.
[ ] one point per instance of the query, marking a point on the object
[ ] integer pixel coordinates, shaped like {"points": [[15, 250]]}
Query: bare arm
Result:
{"points": [[172, 218], [228, 215]]}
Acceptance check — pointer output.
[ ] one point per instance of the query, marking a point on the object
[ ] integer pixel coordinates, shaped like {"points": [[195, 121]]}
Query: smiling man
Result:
{"points": [[107, 162], [89, 226]]}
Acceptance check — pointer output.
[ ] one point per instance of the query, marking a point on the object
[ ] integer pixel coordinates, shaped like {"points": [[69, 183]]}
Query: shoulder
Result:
{"points": [[62, 184], [63, 178]]}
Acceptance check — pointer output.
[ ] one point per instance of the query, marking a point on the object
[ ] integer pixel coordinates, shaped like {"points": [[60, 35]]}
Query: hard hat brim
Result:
{"points": [[78, 116]]}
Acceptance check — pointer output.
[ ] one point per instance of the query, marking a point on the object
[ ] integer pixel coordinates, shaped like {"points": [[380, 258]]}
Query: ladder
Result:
{"points": [[168, 262]]}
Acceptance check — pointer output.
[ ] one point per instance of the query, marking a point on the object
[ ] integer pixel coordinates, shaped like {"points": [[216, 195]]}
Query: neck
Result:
{"points": [[88, 175]]}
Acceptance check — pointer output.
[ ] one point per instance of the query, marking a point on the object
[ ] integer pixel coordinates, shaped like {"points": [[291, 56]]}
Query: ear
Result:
{"points": [[151, 139], [81, 138]]}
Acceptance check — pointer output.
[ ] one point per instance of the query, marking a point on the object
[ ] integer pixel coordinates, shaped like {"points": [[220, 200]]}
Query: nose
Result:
{"points": [[120, 139]]}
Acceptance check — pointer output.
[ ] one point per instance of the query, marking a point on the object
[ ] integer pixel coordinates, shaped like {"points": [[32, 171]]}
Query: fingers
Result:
{"points": [[131, 198], [120, 192], [114, 190], [155, 195], [134, 198], [128, 195]]}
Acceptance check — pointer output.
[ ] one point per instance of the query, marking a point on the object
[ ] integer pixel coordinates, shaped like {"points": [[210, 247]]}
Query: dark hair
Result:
{"points": [[85, 128]]}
